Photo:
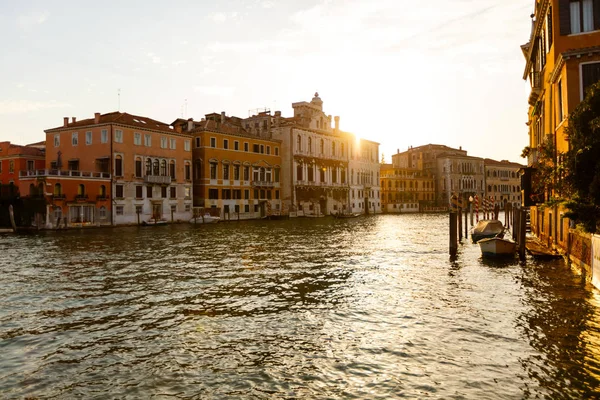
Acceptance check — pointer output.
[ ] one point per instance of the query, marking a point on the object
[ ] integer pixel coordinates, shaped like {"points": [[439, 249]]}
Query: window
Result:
{"points": [[119, 136], [213, 194], [11, 166], [299, 172], [173, 144], [322, 146], [560, 110], [163, 192], [30, 165], [309, 144], [139, 192], [119, 210], [197, 169], [102, 192], [225, 144], [102, 213], [172, 169], [268, 149], [104, 136], [246, 146], [155, 167], [57, 190], [56, 140], [582, 16], [173, 191], [148, 166], [118, 166], [139, 209], [173, 208], [88, 138], [590, 74], [333, 148], [246, 194], [213, 142], [137, 139], [188, 172], [138, 167], [119, 191], [163, 168], [236, 172], [149, 192], [163, 142], [147, 140], [213, 170], [277, 174], [187, 146], [74, 138], [236, 145], [255, 148], [262, 149], [276, 151], [299, 143], [197, 142], [226, 171], [246, 173]]}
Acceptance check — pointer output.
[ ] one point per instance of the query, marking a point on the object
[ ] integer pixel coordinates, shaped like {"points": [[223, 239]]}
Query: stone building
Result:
{"points": [[503, 181]]}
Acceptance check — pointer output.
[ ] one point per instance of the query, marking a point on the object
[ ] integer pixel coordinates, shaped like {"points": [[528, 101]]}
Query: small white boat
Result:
{"points": [[486, 229], [497, 247], [206, 219], [154, 222]]}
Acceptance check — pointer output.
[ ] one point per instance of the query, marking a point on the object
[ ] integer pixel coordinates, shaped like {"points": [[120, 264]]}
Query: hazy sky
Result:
{"points": [[397, 72]]}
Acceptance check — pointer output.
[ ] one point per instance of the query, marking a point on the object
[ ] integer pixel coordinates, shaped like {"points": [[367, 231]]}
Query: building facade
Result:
{"points": [[236, 171], [405, 189], [459, 175], [503, 182], [116, 169], [18, 162], [365, 189], [562, 59]]}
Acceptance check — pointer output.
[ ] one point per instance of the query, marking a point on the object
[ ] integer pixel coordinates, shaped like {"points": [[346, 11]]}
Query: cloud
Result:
{"points": [[29, 21], [220, 91], [23, 106], [221, 17]]}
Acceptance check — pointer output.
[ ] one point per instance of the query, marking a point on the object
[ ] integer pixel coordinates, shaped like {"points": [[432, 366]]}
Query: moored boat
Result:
{"points": [[206, 219], [342, 216], [486, 229], [497, 247]]}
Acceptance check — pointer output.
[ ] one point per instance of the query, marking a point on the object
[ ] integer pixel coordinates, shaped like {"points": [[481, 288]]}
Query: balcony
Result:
{"points": [[536, 87], [43, 173], [157, 179], [264, 184]]}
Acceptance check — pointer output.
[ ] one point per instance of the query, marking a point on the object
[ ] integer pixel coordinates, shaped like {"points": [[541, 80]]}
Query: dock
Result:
{"points": [[535, 247]]}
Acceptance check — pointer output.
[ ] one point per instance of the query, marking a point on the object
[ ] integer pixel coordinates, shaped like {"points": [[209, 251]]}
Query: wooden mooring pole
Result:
{"points": [[466, 223], [453, 232], [522, 238], [459, 221]]}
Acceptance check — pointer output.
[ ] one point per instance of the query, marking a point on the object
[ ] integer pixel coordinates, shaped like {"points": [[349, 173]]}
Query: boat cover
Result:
{"points": [[488, 227]]}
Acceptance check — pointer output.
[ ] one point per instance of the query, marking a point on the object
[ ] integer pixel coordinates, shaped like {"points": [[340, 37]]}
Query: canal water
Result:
{"points": [[299, 309]]}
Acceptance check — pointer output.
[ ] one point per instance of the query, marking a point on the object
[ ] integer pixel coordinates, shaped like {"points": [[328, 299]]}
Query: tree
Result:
{"points": [[582, 161]]}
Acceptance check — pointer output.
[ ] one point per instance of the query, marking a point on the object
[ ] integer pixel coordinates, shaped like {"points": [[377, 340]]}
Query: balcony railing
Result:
{"points": [[266, 184], [40, 173], [158, 179], [536, 87]]}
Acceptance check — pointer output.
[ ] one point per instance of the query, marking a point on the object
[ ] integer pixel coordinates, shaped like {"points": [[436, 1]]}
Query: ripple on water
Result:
{"points": [[362, 308]]}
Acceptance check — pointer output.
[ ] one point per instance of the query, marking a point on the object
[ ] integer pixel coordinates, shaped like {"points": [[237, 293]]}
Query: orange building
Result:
{"points": [[117, 168], [562, 61], [236, 168], [18, 161]]}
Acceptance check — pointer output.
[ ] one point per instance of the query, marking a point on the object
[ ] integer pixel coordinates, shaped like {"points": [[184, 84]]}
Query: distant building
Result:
{"points": [[459, 175], [503, 182], [115, 169], [322, 166], [405, 189], [237, 167], [16, 162]]}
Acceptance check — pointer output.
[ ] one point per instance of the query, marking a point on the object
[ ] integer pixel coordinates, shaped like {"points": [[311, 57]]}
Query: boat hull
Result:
{"points": [[496, 247]]}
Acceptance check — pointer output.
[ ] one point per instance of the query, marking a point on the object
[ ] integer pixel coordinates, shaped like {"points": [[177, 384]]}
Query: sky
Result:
{"points": [[398, 72]]}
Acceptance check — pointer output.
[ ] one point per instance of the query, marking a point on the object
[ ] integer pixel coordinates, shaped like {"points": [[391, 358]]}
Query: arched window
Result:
{"points": [[81, 190], [299, 172], [102, 191], [138, 167], [32, 190], [118, 166], [489, 188], [299, 143], [262, 175], [57, 190], [163, 168], [188, 171], [172, 169], [148, 166], [197, 169], [155, 168], [102, 213]]}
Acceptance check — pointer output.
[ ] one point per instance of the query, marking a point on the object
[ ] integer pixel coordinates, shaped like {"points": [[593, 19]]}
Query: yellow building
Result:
{"points": [[562, 61], [503, 182], [405, 189]]}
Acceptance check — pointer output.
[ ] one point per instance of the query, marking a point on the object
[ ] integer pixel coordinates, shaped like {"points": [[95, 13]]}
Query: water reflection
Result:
{"points": [[315, 308]]}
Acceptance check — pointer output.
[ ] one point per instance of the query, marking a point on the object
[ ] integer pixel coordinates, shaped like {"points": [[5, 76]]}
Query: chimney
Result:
{"points": [[73, 119], [222, 117], [65, 121], [96, 118], [190, 125], [337, 123]]}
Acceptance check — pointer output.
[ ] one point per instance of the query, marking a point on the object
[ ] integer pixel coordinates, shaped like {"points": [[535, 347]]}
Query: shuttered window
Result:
{"points": [[577, 16]]}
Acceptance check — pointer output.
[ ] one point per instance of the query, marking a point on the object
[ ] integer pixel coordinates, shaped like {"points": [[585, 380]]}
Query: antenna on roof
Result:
{"points": [[119, 99]]}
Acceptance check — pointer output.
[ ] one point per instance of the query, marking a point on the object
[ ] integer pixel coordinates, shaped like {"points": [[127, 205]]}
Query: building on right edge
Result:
{"points": [[562, 61]]}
